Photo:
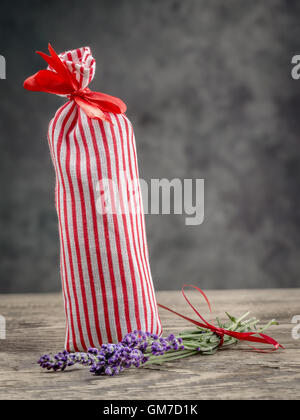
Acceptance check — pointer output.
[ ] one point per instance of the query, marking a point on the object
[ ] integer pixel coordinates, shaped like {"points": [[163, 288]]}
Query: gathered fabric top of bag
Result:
{"points": [[69, 74]]}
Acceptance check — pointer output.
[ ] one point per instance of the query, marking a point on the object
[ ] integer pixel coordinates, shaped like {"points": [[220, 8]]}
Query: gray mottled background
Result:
{"points": [[209, 91]]}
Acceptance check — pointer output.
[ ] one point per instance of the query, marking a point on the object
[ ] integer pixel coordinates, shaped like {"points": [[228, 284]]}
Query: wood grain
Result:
{"points": [[35, 325]]}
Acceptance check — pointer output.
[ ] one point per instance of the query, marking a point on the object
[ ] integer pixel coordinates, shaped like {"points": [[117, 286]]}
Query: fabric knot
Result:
{"points": [[80, 63], [68, 74]]}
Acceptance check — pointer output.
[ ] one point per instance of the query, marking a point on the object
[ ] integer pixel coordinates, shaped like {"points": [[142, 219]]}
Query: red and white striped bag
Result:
{"points": [[106, 278]]}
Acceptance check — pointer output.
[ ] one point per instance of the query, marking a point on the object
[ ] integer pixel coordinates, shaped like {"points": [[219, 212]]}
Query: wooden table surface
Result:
{"points": [[35, 325]]}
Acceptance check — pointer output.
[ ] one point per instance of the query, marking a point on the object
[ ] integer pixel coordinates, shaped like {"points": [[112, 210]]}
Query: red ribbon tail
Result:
{"points": [[183, 316], [92, 110], [107, 103]]}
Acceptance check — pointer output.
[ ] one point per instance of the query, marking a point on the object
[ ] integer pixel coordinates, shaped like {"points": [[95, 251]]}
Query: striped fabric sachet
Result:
{"points": [[106, 278]]}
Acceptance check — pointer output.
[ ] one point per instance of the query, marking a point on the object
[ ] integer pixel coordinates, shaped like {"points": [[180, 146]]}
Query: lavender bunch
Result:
{"points": [[135, 349], [143, 348]]}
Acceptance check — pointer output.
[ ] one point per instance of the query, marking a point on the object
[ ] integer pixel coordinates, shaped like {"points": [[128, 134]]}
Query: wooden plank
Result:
{"points": [[35, 325]]}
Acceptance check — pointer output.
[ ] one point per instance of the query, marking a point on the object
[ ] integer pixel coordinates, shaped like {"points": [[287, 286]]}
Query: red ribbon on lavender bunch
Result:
{"points": [[254, 337]]}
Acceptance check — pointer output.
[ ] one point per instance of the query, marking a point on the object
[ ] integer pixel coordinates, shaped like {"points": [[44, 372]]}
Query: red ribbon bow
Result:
{"points": [[254, 337], [62, 82]]}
